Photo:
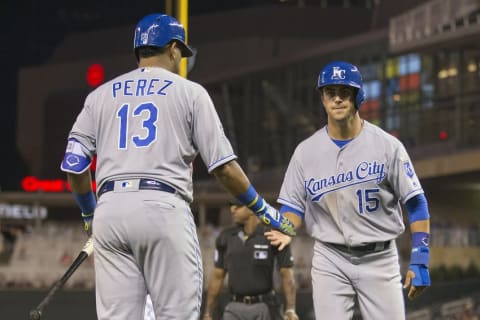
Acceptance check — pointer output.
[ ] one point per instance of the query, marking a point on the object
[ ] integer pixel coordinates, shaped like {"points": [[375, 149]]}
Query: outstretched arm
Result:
{"points": [[232, 177], [214, 287]]}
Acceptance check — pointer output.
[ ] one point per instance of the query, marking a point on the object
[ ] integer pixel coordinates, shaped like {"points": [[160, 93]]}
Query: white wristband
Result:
{"points": [[291, 310]]}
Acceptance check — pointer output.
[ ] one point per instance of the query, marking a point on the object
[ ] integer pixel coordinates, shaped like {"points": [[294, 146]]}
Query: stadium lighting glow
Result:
{"points": [[95, 75]]}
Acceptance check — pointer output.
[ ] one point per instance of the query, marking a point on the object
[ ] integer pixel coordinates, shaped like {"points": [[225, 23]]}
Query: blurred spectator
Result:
{"points": [[473, 234], [447, 231], [10, 233], [2, 248], [468, 313], [445, 234]]}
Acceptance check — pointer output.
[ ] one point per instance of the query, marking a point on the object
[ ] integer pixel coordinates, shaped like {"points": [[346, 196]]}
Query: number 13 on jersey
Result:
{"points": [[147, 131]]}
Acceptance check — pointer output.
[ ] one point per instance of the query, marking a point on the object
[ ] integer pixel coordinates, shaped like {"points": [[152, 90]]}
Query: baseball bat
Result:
{"points": [[87, 249]]}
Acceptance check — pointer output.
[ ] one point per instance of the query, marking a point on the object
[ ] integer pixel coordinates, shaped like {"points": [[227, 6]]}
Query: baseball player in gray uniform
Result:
{"points": [[146, 127], [347, 181]]}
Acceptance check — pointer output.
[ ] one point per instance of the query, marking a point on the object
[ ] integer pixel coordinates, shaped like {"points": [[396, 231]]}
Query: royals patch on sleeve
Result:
{"points": [[408, 169]]}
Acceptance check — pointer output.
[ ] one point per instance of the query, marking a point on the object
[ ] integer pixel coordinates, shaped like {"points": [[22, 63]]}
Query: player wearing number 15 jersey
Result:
{"points": [[347, 182], [146, 127]]}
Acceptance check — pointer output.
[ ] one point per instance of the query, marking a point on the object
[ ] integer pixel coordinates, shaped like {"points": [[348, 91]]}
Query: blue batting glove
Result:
{"points": [[420, 259], [271, 216], [422, 275]]}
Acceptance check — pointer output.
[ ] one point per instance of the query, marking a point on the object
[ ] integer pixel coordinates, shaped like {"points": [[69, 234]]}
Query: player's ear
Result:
{"points": [[172, 50]]}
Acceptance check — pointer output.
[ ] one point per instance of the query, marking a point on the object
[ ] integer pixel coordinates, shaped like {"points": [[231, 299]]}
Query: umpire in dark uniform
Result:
{"points": [[247, 256]]}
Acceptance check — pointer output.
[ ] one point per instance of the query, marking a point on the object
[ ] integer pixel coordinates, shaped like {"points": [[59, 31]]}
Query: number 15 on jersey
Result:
{"points": [[367, 200]]}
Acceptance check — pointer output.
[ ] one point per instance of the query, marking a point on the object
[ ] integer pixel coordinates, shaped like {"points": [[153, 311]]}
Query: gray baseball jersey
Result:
{"points": [[152, 123], [148, 123], [351, 195]]}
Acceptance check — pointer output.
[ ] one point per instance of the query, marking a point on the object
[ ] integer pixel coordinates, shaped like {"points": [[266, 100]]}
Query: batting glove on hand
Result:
{"points": [[418, 276], [272, 217], [87, 223]]}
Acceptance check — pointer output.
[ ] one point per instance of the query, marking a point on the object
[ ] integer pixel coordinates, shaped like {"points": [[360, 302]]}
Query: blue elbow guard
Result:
{"points": [[76, 159]]}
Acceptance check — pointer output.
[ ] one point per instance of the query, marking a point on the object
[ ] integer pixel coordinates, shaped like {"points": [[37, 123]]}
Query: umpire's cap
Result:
{"points": [[343, 73], [158, 30]]}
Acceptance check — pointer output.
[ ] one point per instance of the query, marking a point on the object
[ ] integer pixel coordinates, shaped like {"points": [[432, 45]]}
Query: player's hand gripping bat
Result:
{"points": [[36, 313]]}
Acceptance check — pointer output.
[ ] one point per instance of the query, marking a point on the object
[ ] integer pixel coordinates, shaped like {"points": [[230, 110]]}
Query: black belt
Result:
{"points": [[250, 299], [371, 247], [145, 184]]}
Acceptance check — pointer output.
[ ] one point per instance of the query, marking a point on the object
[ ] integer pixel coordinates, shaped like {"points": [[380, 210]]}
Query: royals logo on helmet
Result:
{"points": [[338, 74]]}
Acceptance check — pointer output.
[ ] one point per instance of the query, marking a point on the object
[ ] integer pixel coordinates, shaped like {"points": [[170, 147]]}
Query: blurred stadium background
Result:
{"points": [[259, 59]]}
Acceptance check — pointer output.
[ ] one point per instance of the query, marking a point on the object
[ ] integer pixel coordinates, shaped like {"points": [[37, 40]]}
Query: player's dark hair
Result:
{"points": [[355, 92], [151, 51]]}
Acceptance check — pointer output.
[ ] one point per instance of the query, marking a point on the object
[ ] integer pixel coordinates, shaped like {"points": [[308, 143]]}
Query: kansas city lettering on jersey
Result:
{"points": [[364, 172], [140, 87]]}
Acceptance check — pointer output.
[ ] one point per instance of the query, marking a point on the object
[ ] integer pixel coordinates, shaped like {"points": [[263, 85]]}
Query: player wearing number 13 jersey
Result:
{"points": [[146, 116], [146, 127], [347, 182]]}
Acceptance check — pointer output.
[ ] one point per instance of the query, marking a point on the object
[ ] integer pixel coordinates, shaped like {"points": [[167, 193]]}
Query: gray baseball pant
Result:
{"points": [[146, 242]]}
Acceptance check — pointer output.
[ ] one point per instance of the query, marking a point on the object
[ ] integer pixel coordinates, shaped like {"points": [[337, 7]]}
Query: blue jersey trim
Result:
{"points": [[341, 143], [290, 204], [412, 194], [286, 208], [218, 163]]}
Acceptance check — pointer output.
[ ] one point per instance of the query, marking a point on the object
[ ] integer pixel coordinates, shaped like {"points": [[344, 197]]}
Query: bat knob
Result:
{"points": [[35, 315]]}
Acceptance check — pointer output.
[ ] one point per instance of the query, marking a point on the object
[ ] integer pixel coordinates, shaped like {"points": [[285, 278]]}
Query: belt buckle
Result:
{"points": [[247, 300]]}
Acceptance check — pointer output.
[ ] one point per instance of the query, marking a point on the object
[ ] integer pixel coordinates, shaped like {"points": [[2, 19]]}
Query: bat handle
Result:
{"points": [[35, 314], [88, 247]]}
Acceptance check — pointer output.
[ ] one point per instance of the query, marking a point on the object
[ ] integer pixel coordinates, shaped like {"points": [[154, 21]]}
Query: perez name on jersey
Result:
{"points": [[140, 87]]}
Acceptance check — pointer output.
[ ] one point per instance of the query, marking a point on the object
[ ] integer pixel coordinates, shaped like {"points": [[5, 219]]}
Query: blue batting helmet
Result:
{"points": [[342, 73], [158, 30]]}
